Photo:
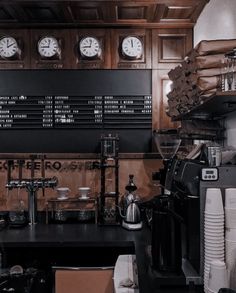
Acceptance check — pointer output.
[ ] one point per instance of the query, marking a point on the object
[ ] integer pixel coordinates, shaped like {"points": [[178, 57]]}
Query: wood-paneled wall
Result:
{"points": [[74, 174], [163, 49]]}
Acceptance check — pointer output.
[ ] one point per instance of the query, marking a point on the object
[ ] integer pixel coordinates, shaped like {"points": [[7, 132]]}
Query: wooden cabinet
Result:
{"points": [[83, 280], [60, 61], [170, 46], [103, 61], [22, 60], [160, 88], [119, 60]]}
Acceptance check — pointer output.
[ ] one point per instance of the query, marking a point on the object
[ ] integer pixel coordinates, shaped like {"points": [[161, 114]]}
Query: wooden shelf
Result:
{"points": [[72, 200], [215, 107]]}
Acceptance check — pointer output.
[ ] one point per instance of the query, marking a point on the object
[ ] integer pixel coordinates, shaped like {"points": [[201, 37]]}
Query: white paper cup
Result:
{"points": [[212, 232], [214, 222], [214, 204], [230, 234], [218, 277], [214, 216], [230, 198], [215, 247], [230, 218]]}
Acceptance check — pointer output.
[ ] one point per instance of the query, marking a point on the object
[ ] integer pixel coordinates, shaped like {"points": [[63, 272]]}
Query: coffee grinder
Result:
{"points": [[175, 220], [167, 142], [166, 230]]}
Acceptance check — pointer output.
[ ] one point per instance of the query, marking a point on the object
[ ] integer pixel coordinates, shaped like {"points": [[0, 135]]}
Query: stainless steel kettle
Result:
{"points": [[131, 216], [132, 213]]}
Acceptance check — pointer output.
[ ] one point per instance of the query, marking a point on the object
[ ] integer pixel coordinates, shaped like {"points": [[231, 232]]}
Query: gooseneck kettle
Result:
{"points": [[131, 216]]}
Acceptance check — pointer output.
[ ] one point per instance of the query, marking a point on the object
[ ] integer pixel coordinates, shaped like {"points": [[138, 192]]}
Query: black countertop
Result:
{"points": [[90, 236]]}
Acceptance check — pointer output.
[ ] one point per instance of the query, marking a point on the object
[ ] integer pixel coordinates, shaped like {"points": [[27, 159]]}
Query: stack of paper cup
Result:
{"points": [[213, 231], [218, 277], [230, 234]]}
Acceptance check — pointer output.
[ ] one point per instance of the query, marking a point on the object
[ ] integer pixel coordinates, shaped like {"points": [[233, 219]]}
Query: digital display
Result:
{"points": [[209, 172]]}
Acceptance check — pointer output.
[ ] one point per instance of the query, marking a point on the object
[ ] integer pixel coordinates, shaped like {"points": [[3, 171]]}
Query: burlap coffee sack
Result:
{"points": [[209, 61], [205, 95], [215, 46], [209, 72], [206, 83]]}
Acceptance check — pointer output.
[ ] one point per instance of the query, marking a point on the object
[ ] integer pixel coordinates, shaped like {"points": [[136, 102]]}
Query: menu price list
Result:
{"points": [[75, 112]]}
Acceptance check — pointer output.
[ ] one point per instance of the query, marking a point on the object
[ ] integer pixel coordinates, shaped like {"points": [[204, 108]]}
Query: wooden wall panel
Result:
{"points": [[131, 12], [101, 62], [86, 12], [170, 46], [142, 13], [119, 61], [61, 62], [76, 173], [23, 60], [160, 88]]}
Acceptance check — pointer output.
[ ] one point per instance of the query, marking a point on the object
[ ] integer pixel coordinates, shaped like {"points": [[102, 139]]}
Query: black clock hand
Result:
{"points": [[132, 43], [9, 45]]}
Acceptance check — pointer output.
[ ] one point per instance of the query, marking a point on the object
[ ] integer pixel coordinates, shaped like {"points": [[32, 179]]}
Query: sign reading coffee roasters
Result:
{"points": [[19, 112]]}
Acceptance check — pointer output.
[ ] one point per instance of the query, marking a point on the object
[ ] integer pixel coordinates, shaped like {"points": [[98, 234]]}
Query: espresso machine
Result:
{"points": [[175, 250]]}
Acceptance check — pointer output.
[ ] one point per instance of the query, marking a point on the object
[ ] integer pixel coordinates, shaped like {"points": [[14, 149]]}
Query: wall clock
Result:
{"points": [[90, 47], [48, 47], [8, 47], [132, 47]]}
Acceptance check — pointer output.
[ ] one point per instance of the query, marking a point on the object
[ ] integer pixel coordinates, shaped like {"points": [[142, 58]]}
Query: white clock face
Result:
{"points": [[132, 47], [8, 47], [48, 47], [90, 47]]}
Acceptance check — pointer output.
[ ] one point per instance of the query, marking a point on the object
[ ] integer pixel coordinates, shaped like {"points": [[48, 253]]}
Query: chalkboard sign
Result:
{"points": [[75, 112], [68, 110]]}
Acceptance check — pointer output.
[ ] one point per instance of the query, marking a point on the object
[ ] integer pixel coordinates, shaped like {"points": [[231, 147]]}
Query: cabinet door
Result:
{"points": [[21, 60], [160, 88], [84, 281], [121, 61], [59, 61], [103, 60], [170, 46]]}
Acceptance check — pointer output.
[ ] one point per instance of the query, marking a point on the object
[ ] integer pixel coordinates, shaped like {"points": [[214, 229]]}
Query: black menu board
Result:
{"points": [[41, 111], [75, 112]]}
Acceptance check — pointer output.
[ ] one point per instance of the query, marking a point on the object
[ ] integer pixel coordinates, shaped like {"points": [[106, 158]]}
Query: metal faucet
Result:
{"points": [[31, 185]]}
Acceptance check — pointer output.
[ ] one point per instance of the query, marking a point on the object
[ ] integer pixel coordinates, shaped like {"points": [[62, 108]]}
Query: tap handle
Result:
{"points": [[43, 173], [32, 167], [10, 164], [20, 164]]}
